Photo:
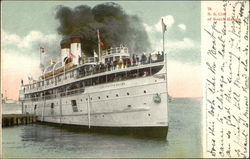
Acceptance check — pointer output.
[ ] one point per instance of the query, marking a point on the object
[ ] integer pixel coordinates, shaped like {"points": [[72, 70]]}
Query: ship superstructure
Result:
{"points": [[113, 91]]}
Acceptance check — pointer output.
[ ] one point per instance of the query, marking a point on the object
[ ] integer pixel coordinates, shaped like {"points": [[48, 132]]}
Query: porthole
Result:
{"points": [[99, 97], [117, 95], [149, 114], [107, 96], [102, 115], [129, 106], [145, 91], [127, 93], [81, 100]]}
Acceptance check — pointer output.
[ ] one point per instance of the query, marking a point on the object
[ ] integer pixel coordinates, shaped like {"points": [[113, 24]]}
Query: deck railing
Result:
{"points": [[93, 70]]}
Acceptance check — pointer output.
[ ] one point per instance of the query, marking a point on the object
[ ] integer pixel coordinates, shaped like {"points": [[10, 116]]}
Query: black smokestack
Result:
{"points": [[115, 26]]}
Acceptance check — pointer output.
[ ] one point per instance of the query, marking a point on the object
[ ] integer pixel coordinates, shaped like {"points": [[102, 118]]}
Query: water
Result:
{"points": [[184, 139]]}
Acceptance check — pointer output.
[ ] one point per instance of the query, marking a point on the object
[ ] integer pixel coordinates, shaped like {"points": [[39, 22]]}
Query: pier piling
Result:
{"points": [[17, 119]]}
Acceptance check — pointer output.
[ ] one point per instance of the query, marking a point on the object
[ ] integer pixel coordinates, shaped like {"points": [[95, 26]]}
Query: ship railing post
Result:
{"points": [[60, 110], [88, 107]]}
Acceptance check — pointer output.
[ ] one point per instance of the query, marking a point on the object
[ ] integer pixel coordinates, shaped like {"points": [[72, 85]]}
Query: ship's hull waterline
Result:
{"points": [[133, 107]]}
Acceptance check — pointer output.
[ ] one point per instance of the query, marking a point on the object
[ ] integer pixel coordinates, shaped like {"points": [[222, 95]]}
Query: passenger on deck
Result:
{"points": [[150, 58], [108, 65], [128, 62], [137, 60], [112, 65], [120, 63], [162, 56], [134, 60], [124, 63], [143, 59], [145, 74], [115, 64]]}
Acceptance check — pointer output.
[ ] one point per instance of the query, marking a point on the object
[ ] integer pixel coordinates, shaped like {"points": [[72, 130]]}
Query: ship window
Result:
{"points": [[120, 76], [74, 106], [117, 58], [156, 69], [87, 82], [127, 93], [99, 97], [145, 91], [52, 108], [144, 72], [117, 95], [110, 77], [107, 96], [95, 81], [35, 107], [111, 59], [132, 74], [102, 79]]}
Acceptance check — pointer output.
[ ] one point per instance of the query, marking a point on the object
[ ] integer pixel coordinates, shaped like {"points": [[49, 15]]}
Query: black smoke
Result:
{"points": [[116, 27]]}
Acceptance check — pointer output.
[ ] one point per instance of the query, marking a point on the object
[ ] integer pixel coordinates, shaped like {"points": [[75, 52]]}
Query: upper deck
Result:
{"points": [[75, 75], [113, 61]]}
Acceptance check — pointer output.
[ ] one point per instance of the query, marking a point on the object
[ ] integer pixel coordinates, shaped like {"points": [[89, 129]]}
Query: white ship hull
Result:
{"points": [[123, 104]]}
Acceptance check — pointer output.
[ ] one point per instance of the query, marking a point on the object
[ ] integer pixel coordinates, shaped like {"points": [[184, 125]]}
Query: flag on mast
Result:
{"points": [[71, 55], [42, 50], [164, 26], [42, 54], [95, 54]]}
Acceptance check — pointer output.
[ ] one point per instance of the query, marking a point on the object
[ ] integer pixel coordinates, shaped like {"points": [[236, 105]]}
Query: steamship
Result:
{"points": [[115, 92]]}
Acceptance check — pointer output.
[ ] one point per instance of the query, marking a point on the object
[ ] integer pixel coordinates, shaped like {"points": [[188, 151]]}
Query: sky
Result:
{"points": [[28, 25]]}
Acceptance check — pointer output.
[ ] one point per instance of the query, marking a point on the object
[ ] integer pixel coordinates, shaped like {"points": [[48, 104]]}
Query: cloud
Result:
{"points": [[29, 44], [182, 27], [12, 60], [184, 44], [33, 38], [10, 38], [171, 45]]}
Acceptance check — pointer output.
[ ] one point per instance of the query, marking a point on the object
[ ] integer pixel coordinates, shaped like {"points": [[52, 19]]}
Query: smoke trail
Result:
{"points": [[115, 26]]}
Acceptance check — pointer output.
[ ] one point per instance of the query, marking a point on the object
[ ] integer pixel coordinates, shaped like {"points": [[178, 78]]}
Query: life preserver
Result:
{"points": [[157, 98]]}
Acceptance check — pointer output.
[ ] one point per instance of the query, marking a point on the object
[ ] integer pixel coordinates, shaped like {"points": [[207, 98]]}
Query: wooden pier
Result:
{"points": [[17, 119]]}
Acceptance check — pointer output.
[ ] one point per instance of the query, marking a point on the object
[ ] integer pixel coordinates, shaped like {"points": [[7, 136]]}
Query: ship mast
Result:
{"points": [[99, 43], [164, 29]]}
